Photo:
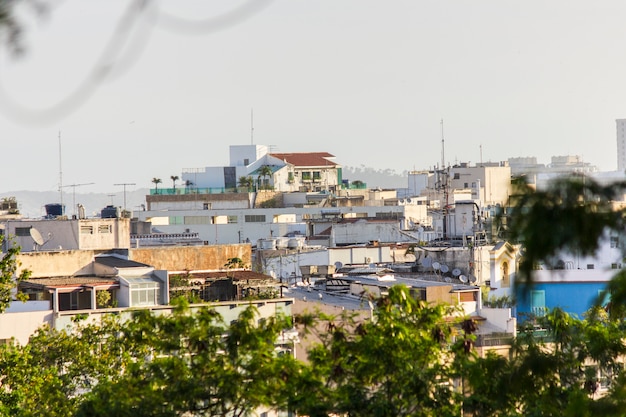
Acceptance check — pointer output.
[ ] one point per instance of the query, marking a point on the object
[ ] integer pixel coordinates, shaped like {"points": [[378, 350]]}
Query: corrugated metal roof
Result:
{"points": [[55, 282]]}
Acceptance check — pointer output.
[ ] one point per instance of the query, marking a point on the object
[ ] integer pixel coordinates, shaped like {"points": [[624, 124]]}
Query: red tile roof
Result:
{"points": [[307, 159]]}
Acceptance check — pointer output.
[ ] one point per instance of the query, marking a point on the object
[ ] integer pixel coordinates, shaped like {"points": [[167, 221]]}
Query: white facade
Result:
{"points": [[250, 225], [68, 234]]}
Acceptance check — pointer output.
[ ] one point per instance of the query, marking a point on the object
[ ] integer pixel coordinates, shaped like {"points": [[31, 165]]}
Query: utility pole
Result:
{"points": [[124, 184], [74, 192]]}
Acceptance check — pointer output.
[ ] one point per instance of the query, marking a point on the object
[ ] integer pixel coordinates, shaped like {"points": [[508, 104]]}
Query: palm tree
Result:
{"points": [[246, 182], [188, 184], [156, 182], [174, 179], [265, 171]]}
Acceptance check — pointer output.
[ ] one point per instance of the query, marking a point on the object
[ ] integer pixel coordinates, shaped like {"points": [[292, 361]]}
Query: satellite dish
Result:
{"points": [[463, 279], [472, 279], [444, 268], [420, 229], [427, 262], [447, 279], [338, 265], [436, 265], [456, 272], [37, 238], [408, 200], [372, 265]]}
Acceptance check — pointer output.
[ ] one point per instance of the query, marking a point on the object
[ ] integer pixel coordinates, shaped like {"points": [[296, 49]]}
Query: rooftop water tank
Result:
{"points": [[54, 210], [110, 212]]}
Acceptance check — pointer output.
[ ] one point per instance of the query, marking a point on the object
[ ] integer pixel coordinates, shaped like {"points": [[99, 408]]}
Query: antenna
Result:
{"points": [[74, 193], [443, 155], [251, 126], [37, 238], [124, 185], [481, 154]]}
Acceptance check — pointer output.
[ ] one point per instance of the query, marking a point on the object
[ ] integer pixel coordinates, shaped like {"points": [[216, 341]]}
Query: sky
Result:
{"points": [[108, 94]]}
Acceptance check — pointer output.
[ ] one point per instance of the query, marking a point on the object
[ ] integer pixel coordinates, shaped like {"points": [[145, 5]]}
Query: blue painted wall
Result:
{"points": [[573, 297]]}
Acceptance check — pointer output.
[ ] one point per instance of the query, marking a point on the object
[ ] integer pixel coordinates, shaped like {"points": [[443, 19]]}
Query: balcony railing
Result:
{"points": [[196, 190]]}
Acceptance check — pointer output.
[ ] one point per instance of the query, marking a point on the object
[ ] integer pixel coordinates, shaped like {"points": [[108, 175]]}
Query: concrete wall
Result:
{"points": [[21, 325], [57, 263], [190, 258], [180, 202]]}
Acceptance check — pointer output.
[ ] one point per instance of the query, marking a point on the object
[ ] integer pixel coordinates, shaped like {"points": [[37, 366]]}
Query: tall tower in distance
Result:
{"points": [[621, 144]]}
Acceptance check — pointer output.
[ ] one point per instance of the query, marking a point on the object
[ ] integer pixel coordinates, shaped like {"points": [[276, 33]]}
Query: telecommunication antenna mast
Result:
{"points": [[124, 184], [443, 154], [251, 126], [74, 192], [60, 172], [445, 179]]}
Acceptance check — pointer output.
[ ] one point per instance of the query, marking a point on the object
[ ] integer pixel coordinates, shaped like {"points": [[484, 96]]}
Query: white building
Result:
{"points": [[288, 172], [67, 234]]}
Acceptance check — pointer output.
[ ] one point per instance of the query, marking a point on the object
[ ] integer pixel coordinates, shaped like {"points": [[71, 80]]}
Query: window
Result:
{"points": [[457, 176], [467, 296], [590, 266], [86, 229], [538, 302], [197, 220], [255, 218], [105, 228], [22, 231], [232, 219], [176, 220], [317, 176], [306, 176], [604, 297], [505, 275], [206, 206], [145, 292], [615, 241]]}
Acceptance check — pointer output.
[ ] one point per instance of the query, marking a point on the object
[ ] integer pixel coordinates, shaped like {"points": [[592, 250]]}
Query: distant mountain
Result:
{"points": [[386, 178], [32, 203]]}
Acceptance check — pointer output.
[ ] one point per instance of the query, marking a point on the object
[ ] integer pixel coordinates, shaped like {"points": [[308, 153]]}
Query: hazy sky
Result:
{"points": [[368, 81]]}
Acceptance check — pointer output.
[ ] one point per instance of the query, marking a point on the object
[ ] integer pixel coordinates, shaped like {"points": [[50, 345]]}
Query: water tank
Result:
{"points": [[110, 212], [267, 244], [295, 243], [54, 210]]}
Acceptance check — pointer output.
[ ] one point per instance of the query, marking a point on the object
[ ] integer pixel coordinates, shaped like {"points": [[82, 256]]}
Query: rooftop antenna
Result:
{"points": [[74, 193], [481, 154], [124, 185], [251, 126], [443, 155]]}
